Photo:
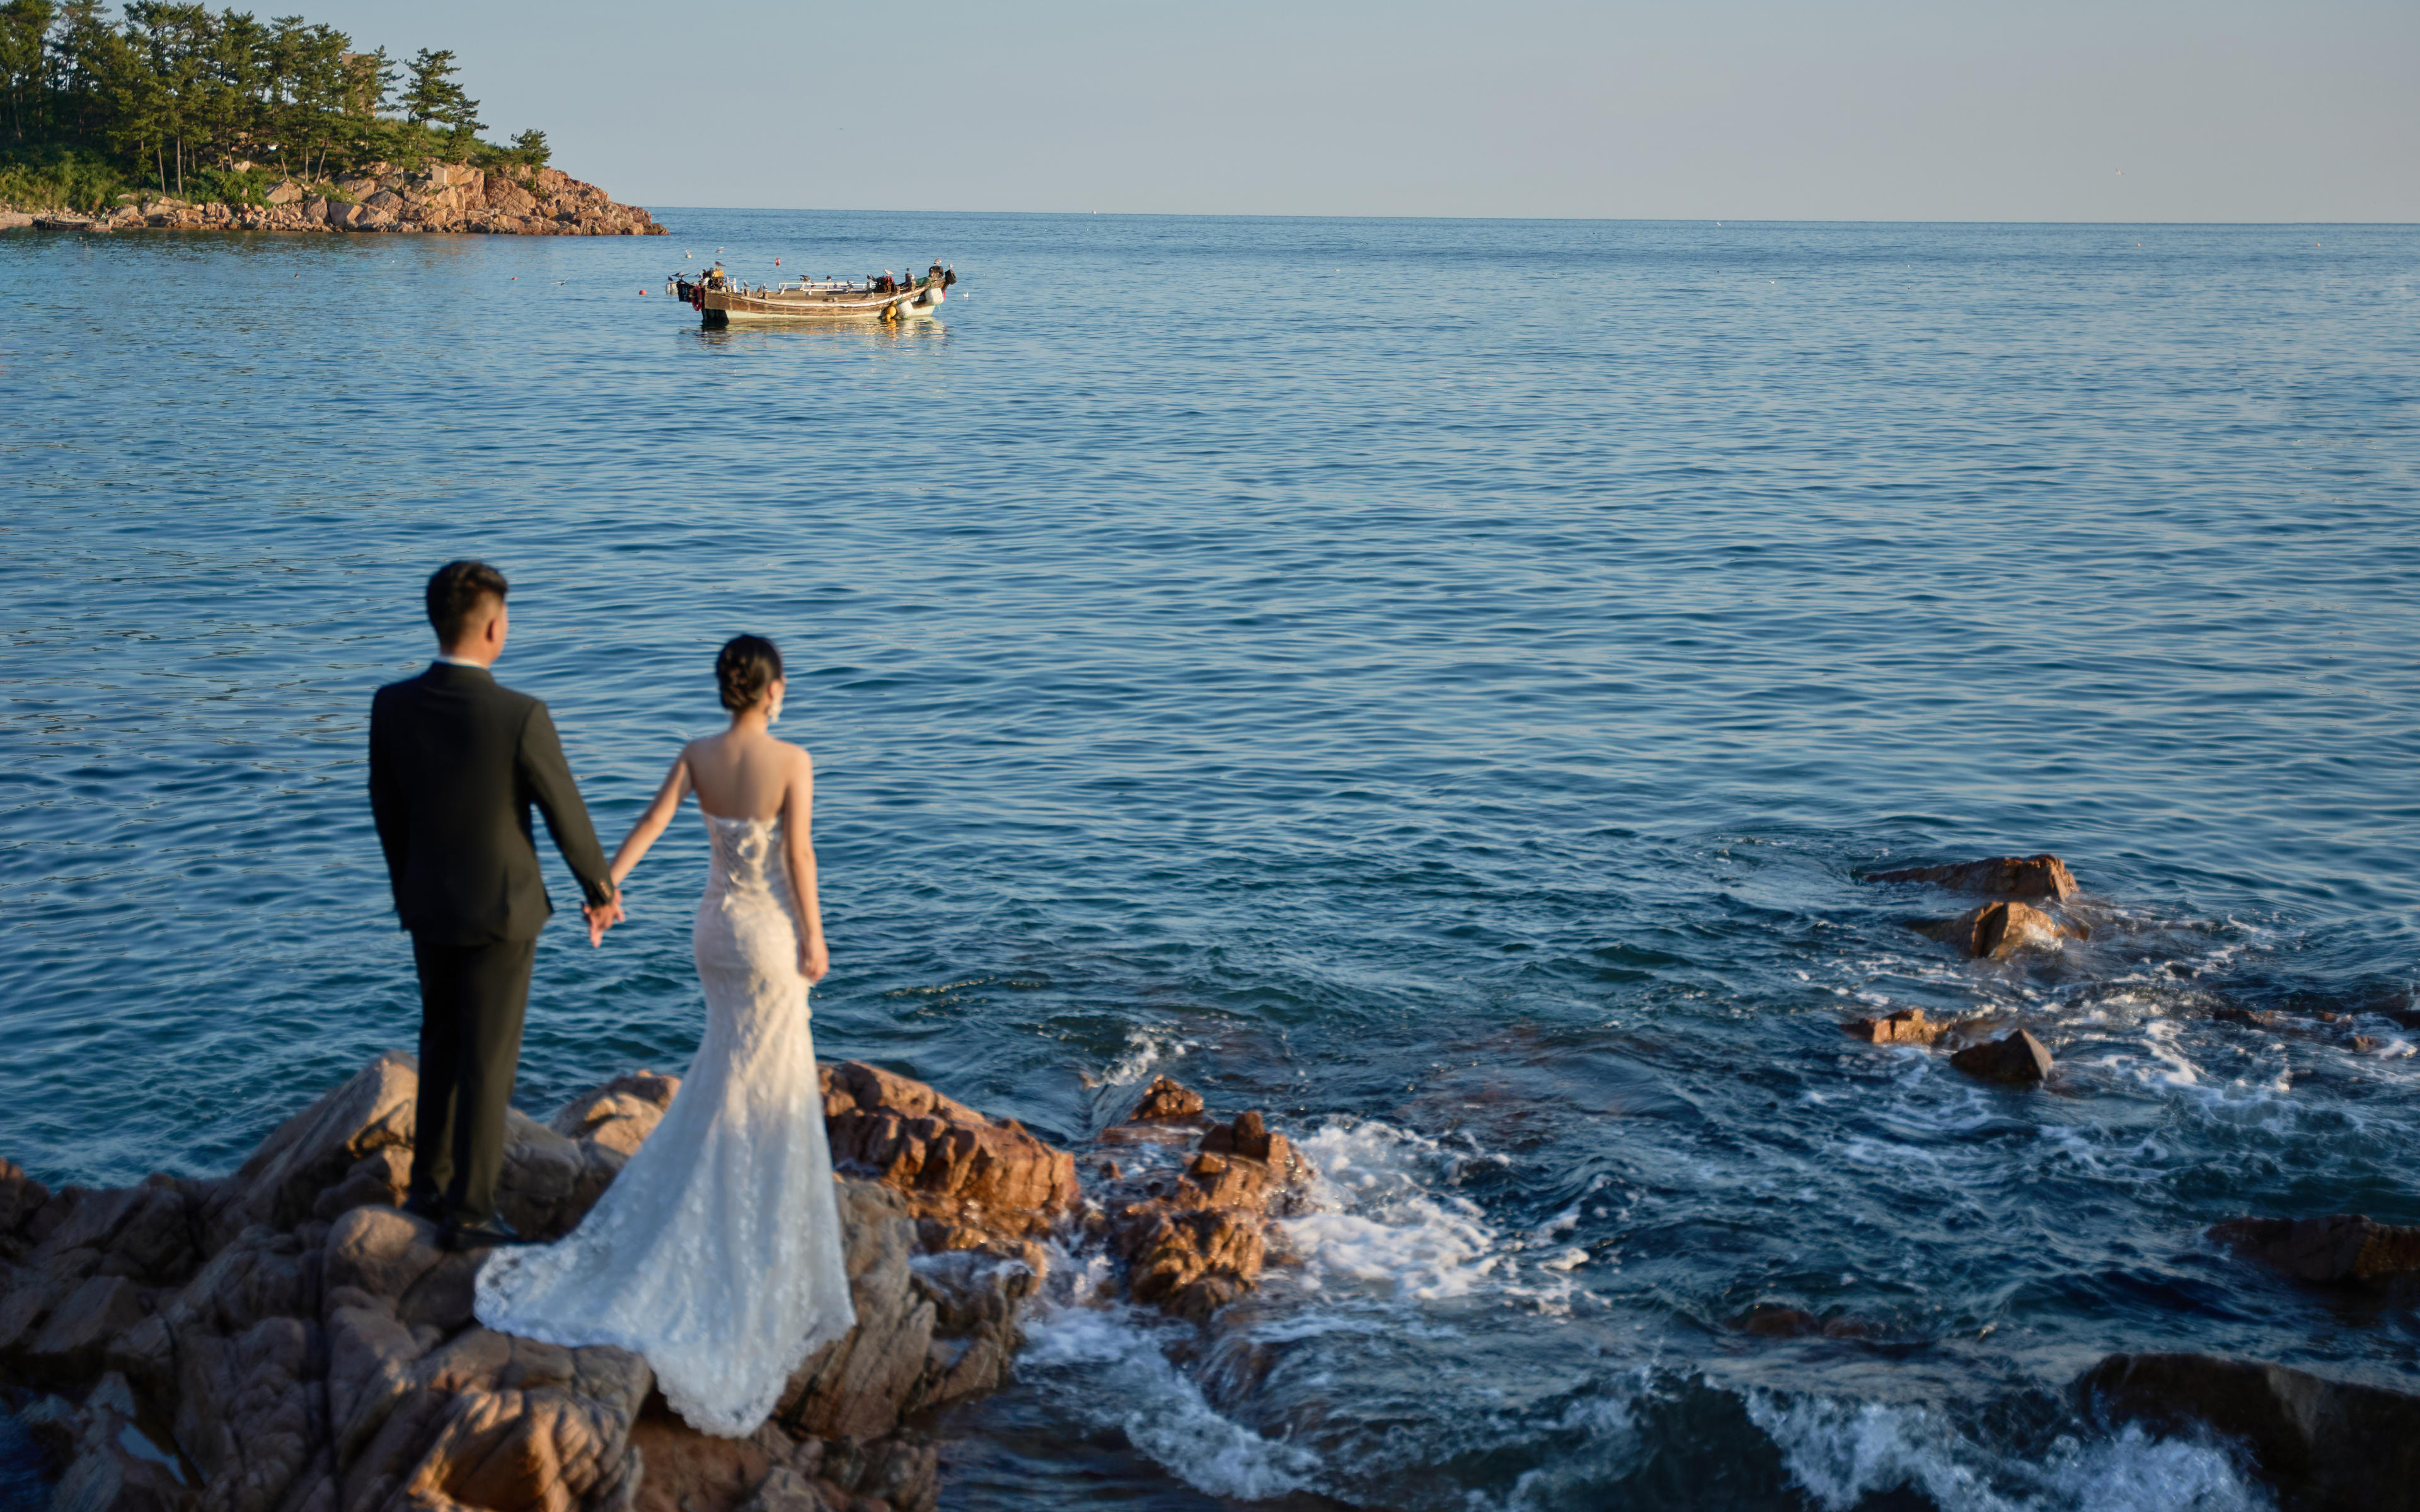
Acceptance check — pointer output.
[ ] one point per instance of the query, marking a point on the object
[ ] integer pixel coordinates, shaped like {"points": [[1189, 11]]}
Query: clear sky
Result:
{"points": [[2016, 110]]}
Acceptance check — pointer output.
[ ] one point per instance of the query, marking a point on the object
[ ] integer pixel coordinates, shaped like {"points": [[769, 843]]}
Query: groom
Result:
{"points": [[456, 762]]}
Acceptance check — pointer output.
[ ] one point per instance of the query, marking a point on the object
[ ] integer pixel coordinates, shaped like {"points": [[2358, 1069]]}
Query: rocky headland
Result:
{"points": [[437, 198], [286, 1339]]}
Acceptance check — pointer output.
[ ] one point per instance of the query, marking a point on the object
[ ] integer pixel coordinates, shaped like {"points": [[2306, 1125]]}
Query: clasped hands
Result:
{"points": [[603, 917]]}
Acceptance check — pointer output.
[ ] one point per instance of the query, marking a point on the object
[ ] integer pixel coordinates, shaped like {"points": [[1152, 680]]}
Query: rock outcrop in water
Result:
{"points": [[2342, 1249], [1997, 931], [2326, 1445], [2018, 1060], [2001, 876], [445, 197], [1909, 1025], [286, 1339]]}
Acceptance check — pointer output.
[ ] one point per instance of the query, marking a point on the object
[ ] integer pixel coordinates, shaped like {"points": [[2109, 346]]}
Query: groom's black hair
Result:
{"points": [[455, 591]]}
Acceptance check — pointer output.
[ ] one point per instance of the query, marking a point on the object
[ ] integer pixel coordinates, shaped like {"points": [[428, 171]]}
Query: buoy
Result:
{"points": [[643, 290], [777, 262]]}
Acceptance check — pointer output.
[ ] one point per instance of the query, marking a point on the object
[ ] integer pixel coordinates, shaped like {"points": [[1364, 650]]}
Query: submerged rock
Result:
{"points": [[2002, 876], [2019, 1060], [1995, 932], [1772, 1321], [2338, 1249], [2326, 1445]]}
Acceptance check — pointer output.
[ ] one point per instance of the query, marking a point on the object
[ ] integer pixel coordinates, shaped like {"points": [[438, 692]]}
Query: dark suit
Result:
{"points": [[456, 764]]}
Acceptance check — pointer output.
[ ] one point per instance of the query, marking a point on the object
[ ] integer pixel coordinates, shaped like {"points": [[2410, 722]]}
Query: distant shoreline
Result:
{"points": [[453, 198]]}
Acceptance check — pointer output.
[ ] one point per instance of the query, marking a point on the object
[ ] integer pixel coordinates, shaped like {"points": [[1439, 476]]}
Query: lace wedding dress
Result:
{"points": [[716, 1254]]}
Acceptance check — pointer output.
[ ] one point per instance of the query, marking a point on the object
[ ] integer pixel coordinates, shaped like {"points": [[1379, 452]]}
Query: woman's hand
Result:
{"points": [[813, 960]]}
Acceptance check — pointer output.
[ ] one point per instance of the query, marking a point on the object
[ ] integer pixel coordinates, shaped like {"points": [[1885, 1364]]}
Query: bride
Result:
{"points": [[716, 1254]]}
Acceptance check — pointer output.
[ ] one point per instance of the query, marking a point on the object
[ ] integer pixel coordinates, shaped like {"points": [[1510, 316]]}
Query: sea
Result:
{"points": [[1440, 683]]}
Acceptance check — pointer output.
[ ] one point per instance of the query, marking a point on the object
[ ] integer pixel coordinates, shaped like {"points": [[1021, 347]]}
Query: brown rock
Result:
{"points": [[1907, 1027], [2335, 1250], [2002, 876], [950, 1160], [2019, 1060], [317, 1149], [1998, 931], [857, 1386], [2327, 1445], [619, 1115], [398, 1260], [1166, 1099]]}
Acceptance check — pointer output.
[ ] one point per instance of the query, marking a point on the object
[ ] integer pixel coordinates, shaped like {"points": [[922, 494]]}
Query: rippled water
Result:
{"points": [[1437, 682]]}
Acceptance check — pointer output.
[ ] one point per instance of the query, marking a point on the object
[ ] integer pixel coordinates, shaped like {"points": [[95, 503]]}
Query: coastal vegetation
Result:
{"points": [[217, 106]]}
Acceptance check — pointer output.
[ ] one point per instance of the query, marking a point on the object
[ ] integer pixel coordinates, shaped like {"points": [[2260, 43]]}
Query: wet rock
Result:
{"points": [[619, 1115], [2019, 1060], [1907, 1027], [2001, 876], [1195, 1241], [2342, 1248], [2326, 1445], [117, 1466], [1995, 932], [1165, 1099]]}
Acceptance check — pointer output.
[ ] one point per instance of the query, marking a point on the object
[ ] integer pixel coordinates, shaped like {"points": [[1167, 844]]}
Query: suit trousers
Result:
{"points": [[471, 1001]]}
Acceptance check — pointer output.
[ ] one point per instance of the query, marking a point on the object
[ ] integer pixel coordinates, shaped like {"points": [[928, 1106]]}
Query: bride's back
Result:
{"points": [[742, 773]]}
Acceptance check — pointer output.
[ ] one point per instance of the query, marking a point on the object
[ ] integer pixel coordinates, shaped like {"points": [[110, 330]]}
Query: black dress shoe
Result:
{"points": [[491, 1234], [428, 1210]]}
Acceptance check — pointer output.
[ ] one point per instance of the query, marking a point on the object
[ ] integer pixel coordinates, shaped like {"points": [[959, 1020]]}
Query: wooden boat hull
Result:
{"points": [[735, 305]]}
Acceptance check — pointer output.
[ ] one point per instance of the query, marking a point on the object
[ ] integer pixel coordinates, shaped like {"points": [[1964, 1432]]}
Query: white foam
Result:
{"points": [[1843, 1453], [1377, 1226], [1147, 1049], [1106, 1365]]}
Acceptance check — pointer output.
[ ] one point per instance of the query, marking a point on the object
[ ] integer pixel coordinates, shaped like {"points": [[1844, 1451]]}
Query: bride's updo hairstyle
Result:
{"points": [[749, 665]]}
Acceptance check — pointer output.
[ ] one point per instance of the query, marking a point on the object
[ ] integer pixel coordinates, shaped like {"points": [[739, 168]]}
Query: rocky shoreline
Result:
{"points": [[453, 198], [286, 1339]]}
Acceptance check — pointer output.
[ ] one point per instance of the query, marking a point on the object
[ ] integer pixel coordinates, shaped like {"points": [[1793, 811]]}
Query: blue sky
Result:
{"points": [[1736, 109]]}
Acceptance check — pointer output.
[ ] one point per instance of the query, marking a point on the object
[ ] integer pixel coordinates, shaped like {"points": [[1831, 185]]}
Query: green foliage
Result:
{"points": [[215, 105], [52, 177], [529, 150]]}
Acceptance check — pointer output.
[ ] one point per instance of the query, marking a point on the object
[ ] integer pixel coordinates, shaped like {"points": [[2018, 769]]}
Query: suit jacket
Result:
{"points": [[455, 762]]}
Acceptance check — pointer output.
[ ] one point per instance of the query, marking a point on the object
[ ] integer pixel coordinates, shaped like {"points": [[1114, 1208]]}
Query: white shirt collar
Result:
{"points": [[459, 661]]}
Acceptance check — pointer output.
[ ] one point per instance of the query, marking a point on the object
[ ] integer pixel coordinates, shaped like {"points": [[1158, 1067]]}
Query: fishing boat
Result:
{"points": [[719, 297]]}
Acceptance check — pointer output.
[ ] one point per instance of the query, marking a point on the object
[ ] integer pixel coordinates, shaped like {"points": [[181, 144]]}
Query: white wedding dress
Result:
{"points": [[716, 1253]]}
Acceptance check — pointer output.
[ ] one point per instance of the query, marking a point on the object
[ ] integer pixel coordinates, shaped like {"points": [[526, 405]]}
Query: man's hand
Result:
{"points": [[603, 917]]}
